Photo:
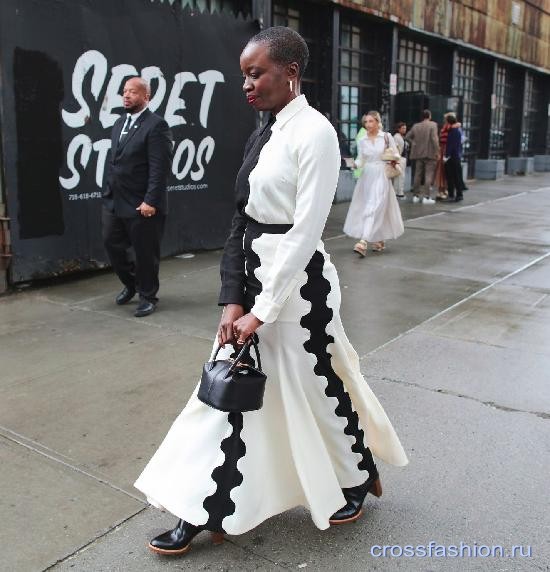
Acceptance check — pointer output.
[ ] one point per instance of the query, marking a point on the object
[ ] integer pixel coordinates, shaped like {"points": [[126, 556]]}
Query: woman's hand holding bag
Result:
{"points": [[226, 332]]}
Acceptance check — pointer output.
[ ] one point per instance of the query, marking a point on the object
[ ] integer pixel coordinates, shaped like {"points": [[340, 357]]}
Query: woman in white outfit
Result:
{"points": [[310, 444], [374, 214]]}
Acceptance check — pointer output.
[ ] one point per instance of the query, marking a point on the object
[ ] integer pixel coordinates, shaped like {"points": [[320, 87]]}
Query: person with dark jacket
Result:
{"points": [[134, 198], [453, 155]]}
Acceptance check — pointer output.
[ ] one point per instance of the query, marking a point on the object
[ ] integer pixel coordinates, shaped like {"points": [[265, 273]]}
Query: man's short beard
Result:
{"points": [[135, 108]]}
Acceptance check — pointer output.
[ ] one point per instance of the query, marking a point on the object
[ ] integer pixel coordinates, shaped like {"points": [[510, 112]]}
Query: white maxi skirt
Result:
{"points": [[313, 436]]}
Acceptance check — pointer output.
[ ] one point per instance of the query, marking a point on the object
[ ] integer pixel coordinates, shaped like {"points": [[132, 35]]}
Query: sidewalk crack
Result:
{"points": [[93, 540], [492, 404], [56, 457]]}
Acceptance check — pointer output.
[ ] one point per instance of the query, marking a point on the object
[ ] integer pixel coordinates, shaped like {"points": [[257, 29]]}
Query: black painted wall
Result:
{"points": [[53, 174]]}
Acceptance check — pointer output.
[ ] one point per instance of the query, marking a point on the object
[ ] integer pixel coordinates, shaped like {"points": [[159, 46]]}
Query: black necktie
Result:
{"points": [[125, 129]]}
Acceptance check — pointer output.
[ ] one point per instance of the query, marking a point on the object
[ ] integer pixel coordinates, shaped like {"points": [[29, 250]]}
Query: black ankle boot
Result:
{"points": [[355, 496], [178, 540]]}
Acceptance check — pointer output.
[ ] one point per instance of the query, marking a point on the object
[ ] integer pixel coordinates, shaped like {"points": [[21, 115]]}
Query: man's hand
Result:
{"points": [[244, 327], [231, 312], [146, 210]]}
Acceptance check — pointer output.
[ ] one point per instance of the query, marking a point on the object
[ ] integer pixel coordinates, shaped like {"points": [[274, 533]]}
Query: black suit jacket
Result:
{"points": [[139, 165]]}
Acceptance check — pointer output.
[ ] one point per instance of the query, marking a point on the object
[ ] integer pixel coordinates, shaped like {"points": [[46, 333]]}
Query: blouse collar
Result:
{"points": [[289, 111], [379, 135]]}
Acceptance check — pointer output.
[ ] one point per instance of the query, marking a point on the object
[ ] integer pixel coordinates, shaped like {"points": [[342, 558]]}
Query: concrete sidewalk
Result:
{"points": [[452, 324]]}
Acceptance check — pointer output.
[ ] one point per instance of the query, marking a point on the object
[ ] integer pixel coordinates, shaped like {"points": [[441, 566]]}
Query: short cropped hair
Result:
{"points": [[285, 46], [451, 118], [144, 84]]}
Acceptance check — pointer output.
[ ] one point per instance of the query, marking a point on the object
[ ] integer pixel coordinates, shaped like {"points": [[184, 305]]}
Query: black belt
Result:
{"points": [[261, 227]]}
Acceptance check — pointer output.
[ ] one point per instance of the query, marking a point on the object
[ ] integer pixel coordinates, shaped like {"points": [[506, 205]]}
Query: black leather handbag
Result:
{"points": [[234, 385]]}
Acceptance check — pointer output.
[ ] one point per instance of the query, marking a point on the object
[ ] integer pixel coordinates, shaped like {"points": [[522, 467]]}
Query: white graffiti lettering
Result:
{"points": [[83, 144], [204, 151], [189, 160], [87, 61]]}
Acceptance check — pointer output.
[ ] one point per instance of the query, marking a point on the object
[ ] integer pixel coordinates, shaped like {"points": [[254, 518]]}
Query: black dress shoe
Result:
{"points": [[459, 198], [125, 296], [355, 497], [144, 309], [177, 541]]}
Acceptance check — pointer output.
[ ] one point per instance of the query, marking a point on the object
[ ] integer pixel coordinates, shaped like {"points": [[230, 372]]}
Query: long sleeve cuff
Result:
{"points": [[231, 295], [266, 310]]}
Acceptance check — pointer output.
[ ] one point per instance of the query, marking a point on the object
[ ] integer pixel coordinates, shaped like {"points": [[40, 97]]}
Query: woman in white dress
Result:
{"points": [[310, 444], [374, 214]]}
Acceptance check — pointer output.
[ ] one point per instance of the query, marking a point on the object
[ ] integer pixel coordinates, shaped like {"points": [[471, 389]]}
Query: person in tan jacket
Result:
{"points": [[424, 141]]}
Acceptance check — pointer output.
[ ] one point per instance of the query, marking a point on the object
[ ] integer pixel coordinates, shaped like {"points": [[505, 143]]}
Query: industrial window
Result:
{"points": [[363, 75], [284, 15], [505, 113], [418, 67], [534, 116], [305, 19], [469, 83]]}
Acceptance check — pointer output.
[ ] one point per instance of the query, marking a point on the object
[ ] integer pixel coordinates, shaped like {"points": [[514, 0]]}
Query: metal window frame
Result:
{"points": [[366, 81], [418, 65], [533, 129], [505, 128], [468, 82]]}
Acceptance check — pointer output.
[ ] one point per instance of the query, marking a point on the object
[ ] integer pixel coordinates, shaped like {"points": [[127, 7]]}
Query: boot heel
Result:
{"points": [[376, 488], [217, 537]]}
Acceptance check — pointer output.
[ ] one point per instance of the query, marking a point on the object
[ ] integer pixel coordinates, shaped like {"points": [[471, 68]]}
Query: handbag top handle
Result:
{"points": [[251, 341]]}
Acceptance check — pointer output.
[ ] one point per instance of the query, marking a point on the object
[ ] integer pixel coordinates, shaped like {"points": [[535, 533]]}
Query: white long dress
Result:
{"points": [[374, 212], [231, 471]]}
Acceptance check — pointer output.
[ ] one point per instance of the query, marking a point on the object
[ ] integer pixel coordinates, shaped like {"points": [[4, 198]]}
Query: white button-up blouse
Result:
{"points": [[293, 183]]}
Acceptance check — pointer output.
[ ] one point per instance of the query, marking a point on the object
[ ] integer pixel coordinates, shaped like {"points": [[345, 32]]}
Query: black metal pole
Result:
{"points": [[335, 64]]}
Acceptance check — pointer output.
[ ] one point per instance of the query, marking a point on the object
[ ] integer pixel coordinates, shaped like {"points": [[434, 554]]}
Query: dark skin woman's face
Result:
{"points": [[266, 83]]}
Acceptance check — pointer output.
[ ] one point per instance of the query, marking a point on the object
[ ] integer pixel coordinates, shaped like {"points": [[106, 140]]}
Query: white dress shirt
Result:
{"points": [[133, 119], [293, 183]]}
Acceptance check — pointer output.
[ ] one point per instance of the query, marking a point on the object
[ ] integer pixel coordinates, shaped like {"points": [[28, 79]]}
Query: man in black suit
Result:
{"points": [[134, 198]]}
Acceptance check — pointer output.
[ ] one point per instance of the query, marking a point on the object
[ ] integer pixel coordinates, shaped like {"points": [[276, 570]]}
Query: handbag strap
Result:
{"points": [[252, 341], [386, 140]]}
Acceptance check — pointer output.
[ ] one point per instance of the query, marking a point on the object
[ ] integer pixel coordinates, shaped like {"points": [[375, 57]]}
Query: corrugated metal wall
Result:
{"points": [[520, 30]]}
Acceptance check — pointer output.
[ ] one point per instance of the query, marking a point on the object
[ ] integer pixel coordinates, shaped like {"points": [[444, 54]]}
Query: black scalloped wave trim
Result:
{"points": [[316, 291], [227, 476]]}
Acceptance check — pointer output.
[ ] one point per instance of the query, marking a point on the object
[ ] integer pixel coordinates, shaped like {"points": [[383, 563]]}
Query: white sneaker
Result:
{"points": [[428, 201], [416, 199]]}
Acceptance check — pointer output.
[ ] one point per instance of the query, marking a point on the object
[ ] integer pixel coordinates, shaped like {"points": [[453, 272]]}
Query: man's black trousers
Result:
{"points": [[453, 173], [144, 235]]}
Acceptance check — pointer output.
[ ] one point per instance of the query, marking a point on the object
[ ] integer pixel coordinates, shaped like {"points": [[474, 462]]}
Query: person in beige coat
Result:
{"points": [[424, 141]]}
